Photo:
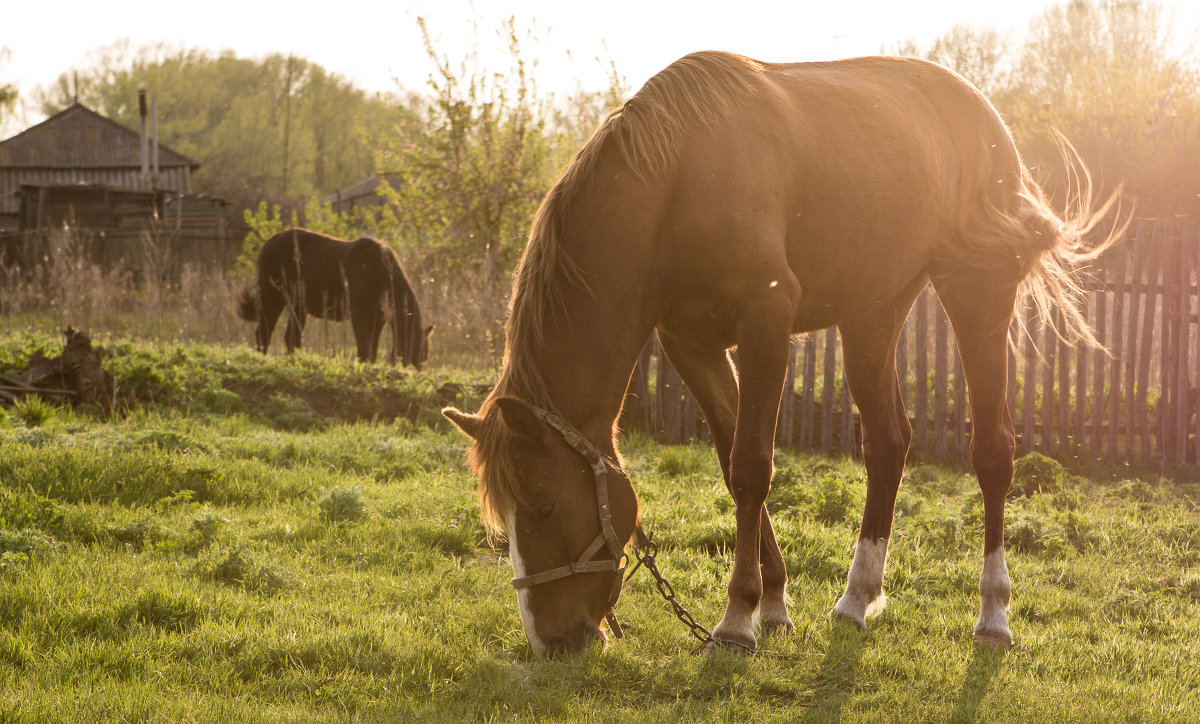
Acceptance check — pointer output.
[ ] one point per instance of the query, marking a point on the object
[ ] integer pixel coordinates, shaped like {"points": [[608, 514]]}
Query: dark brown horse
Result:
{"points": [[305, 273], [736, 203]]}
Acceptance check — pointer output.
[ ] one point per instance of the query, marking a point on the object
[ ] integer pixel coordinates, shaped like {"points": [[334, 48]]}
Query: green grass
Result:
{"points": [[205, 554]]}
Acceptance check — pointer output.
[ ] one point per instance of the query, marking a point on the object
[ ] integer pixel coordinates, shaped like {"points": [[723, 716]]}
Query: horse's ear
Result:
{"points": [[469, 424], [520, 419]]}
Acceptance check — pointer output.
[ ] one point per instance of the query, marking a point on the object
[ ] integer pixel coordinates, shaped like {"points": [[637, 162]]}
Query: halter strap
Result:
{"points": [[607, 537]]}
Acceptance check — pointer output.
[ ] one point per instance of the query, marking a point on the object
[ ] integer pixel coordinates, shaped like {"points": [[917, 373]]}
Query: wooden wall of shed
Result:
{"points": [[145, 232]]}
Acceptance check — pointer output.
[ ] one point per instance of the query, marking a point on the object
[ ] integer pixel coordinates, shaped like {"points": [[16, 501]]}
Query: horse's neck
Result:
{"points": [[585, 362], [589, 348]]}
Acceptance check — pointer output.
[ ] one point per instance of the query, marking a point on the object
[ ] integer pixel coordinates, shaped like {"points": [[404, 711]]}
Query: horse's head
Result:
{"points": [[539, 481], [415, 350]]}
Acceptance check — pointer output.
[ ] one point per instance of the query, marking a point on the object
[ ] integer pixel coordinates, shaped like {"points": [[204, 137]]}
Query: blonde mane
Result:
{"points": [[647, 131]]}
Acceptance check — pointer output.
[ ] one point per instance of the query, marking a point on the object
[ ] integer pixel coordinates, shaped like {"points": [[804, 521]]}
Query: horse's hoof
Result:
{"points": [[997, 640], [770, 628], [840, 613], [857, 609]]}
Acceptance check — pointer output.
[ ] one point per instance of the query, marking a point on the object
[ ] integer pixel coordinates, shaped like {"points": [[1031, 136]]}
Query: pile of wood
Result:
{"points": [[74, 376]]}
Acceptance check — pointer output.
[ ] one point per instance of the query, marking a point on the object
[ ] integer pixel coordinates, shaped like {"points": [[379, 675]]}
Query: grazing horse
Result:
{"points": [[736, 203], [306, 273]]}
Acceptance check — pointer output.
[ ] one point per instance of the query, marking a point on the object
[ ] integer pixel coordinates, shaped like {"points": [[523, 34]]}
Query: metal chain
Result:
{"points": [[667, 591]]}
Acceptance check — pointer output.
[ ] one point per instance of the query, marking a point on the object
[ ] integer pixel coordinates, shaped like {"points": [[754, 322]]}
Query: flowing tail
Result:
{"points": [[248, 302], [1050, 246]]}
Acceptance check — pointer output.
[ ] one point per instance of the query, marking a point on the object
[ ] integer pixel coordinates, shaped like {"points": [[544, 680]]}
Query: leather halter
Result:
{"points": [[607, 538]]}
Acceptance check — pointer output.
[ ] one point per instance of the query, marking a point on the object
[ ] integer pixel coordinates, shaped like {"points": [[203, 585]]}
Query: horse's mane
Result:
{"points": [[647, 131]]}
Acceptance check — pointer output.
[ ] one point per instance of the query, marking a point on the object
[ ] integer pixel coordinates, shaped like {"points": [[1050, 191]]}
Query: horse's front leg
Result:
{"points": [[763, 347], [710, 376], [295, 327]]}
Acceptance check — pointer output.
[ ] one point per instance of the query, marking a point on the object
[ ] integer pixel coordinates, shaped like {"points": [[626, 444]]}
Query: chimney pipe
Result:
{"points": [[145, 139], [154, 126]]}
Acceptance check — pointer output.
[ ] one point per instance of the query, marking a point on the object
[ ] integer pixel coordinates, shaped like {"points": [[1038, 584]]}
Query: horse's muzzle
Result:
{"points": [[574, 641]]}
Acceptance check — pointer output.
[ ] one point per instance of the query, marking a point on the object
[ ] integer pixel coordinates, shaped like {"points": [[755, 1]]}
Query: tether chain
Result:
{"points": [[667, 591]]}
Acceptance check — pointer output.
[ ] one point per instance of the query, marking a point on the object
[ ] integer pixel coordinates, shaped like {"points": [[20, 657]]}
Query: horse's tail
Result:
{"points": [[1051, 246], [248, 302]]}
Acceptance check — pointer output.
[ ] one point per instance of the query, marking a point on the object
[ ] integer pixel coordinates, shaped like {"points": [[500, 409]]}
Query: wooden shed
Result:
{"points": [[364, 194], [84, 170]]}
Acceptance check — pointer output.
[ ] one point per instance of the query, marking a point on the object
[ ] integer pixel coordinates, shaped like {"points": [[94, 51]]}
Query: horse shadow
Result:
{"points": [[834, 682], [986, 662]]}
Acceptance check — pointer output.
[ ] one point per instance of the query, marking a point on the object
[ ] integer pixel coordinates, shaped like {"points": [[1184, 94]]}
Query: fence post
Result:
{"points": [[1100, 358], [827, 390], [1081, 386], [921, 377], [941, 380], [810, 390], [1131, 352], [1150, 316], [1048, 362], [787, 403], [1029, 376], [1114, 383], [1183, 344]]}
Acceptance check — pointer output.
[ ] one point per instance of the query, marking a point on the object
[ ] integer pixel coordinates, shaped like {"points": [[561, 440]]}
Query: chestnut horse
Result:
{"points": [[737, 203], [305, 273]]}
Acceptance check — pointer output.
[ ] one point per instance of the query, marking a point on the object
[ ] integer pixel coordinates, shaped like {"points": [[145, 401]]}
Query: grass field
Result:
{"points": [[297, 539]]}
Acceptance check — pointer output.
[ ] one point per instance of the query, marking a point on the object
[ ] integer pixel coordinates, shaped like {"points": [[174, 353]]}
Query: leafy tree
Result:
{"points": [[474, 157], [979, 55], [1103, 74], [280, 128], [8, 92]]}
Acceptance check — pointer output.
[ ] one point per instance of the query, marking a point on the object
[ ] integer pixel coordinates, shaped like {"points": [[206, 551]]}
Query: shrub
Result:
{"points": [[1035, 473], [32, 410], [241, 567], [207, 526], [682, 460], [343, 504]]}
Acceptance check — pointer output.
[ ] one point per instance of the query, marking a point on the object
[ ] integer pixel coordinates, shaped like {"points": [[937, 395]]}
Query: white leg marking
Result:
{"points": [[994, 591], [523, 594], [864, 586]]}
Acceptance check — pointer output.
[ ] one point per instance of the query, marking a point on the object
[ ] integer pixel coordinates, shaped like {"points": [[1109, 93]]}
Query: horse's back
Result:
{"points": [[303, 263], [300, 247], [828, 169]]}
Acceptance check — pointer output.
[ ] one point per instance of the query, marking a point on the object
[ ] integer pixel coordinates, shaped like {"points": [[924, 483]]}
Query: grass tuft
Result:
{"points": [[343, 505]]}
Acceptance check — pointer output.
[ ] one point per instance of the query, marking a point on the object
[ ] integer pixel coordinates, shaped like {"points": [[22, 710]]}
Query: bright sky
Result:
{"points": [[374, 43]]}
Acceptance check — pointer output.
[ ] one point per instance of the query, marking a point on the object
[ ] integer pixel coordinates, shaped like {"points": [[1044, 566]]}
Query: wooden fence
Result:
{"points": [[1137, 401]]}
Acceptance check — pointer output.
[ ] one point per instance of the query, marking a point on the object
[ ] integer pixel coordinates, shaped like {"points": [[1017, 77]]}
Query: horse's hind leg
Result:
{"points": [[711, 379], [980, 308], [763, 332], [869, 360]]}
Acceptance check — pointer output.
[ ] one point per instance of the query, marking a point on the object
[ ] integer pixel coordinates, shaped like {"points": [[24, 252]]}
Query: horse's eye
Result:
{"points": [[547, 510]]}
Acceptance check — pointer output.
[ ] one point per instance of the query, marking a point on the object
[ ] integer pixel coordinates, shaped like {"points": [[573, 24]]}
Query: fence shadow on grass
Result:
{"points": [[986, 662], [835, 681]]}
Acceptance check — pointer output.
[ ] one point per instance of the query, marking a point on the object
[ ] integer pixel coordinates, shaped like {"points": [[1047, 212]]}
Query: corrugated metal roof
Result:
{"points": [[78, 137]]}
